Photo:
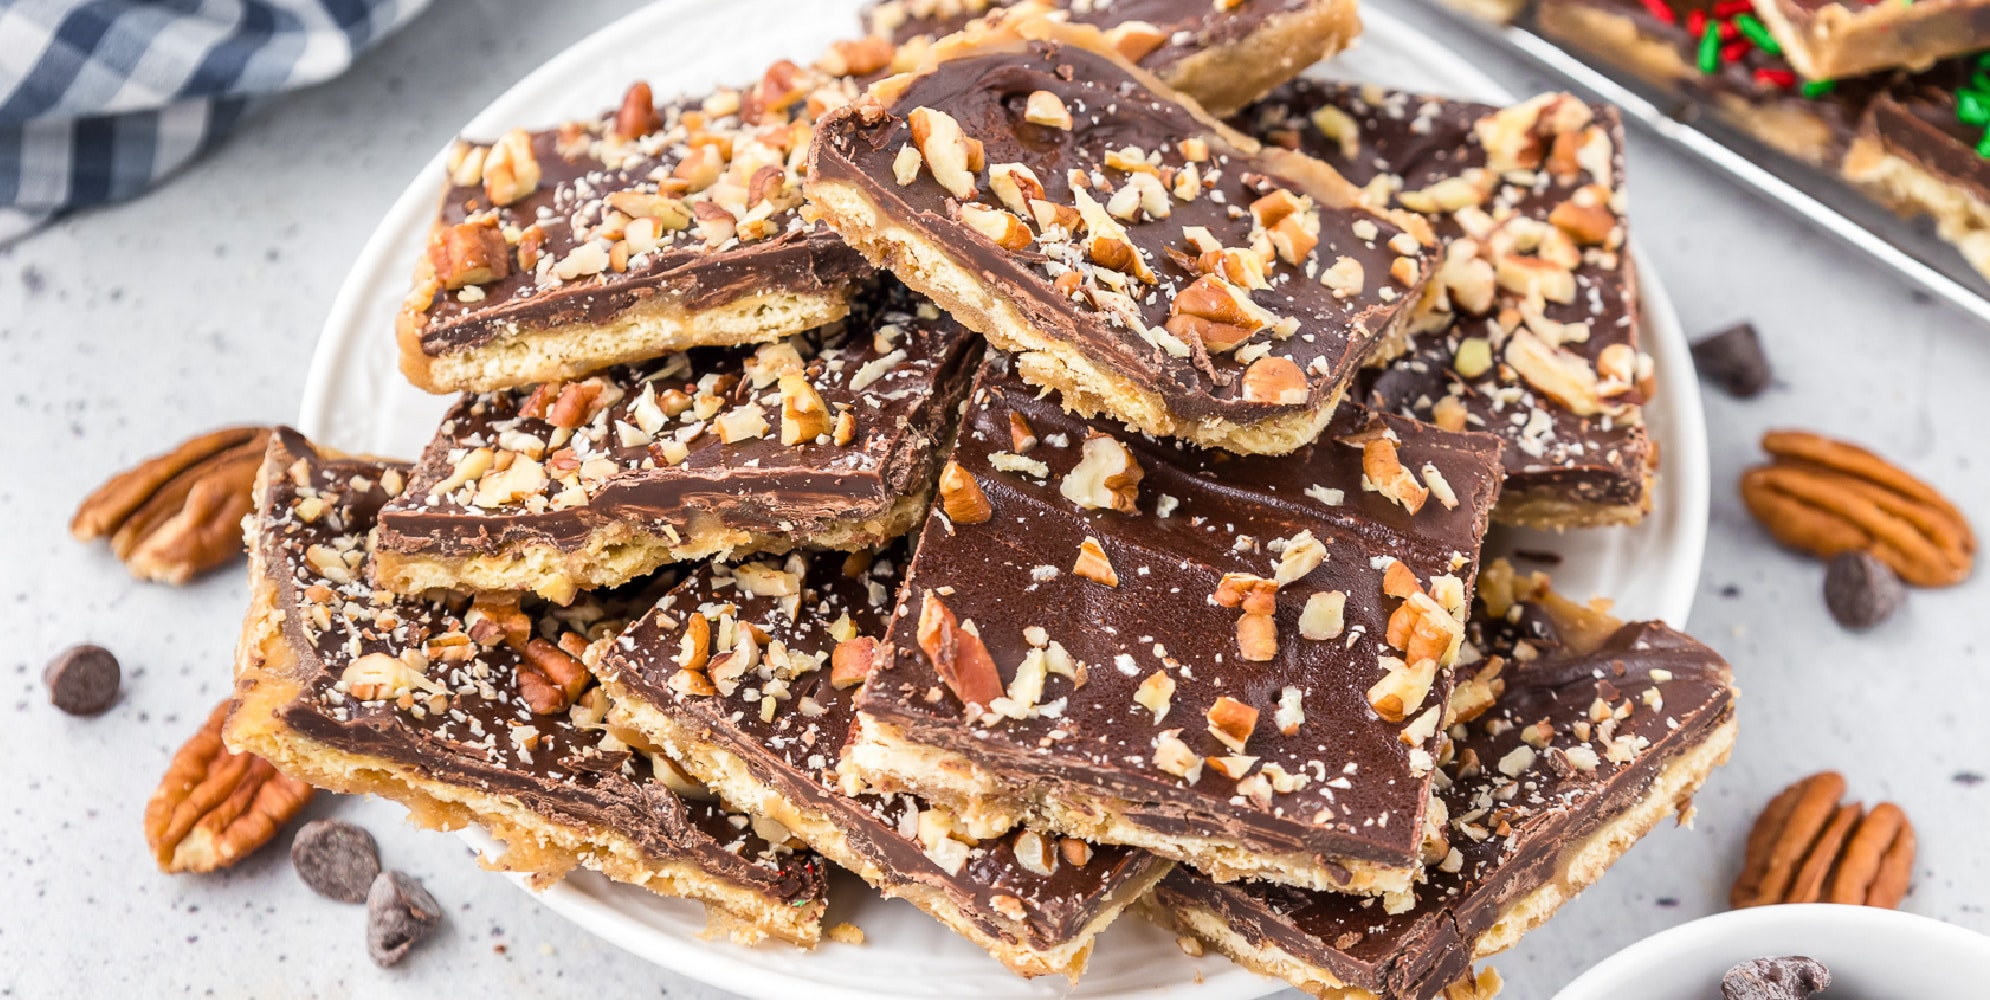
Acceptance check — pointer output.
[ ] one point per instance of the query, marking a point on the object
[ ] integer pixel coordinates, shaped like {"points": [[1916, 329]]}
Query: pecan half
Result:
{"points": [[1807, 847], [177, 515], [215, 807], [1825, 497]]}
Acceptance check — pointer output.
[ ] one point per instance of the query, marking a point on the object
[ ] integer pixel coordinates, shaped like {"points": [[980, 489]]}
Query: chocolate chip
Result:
{"points": [[1860, 590], [336, 859], [1733, 360], [1792, 978], [83, 680], [399, 913]]}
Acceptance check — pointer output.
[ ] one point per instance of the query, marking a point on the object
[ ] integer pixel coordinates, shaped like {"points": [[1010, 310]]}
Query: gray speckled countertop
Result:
{"points": [[122, 331]]}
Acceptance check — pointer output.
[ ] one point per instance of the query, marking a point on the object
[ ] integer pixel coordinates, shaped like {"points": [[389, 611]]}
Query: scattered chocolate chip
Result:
{"points": [[1792, 978], [1730, 591], [336, 859], [1667, 902], [83, 680], [1538, 556], [399, 913], [1733, 360], [1860, 590], [1967, 779]]}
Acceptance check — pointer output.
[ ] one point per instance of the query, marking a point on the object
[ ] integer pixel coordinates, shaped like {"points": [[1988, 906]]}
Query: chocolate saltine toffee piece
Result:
{"points": [[826, 440], [1922, 148], [1833, 39], [1741, 75], [1234, 662], [1530, 329], [1147, 262], [1225, 54], [649, 229], [1574, 750], [479, 712], [749, 675]]}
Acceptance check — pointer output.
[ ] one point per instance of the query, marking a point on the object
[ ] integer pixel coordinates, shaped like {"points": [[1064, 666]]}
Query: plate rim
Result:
{"points": [[734, 969], [1797, 916]]}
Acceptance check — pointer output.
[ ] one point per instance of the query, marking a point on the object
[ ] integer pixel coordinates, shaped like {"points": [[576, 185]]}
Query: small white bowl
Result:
{"points": [[1873, 954]]}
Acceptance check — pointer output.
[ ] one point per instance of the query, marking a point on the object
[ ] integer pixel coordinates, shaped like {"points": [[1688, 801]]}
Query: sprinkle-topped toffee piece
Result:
{"points": [[1531, 329], [1238, 663], [829, 440], [1718, 54], [749, 675], [1148, 263], [478, 712], [1567, 752], [1224, 54], [649, 229], [1924, 149], [1832, 39]]}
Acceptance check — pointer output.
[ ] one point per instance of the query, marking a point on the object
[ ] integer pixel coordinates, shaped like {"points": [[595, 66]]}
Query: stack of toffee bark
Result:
{"points": [[968, 461]]}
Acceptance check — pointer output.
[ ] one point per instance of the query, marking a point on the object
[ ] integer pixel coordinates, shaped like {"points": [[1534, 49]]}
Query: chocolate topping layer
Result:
{"points": [[788, 720], [1531, 777], [1321, 771], [1182, 28], [1122, 138], [1748, 77], [1590, 450], [647, 445], [443, 682], [564, 232], [1917, 121]]}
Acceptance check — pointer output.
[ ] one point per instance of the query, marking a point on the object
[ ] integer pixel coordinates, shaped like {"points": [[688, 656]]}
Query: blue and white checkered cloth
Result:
{"points": [[100, 99]]}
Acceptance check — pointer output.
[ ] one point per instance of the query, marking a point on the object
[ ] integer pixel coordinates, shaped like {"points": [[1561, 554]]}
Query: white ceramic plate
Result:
{"points": [[1873, 954], [355, 399]]}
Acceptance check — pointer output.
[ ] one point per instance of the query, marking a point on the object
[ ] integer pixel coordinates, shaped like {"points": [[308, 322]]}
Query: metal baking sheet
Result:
{"points": [[1906, 246]]}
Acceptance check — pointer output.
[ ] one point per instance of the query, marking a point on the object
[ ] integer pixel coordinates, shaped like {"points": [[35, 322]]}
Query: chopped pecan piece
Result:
{"points": [[853, 660], [946, 149], [1383, 471], [511, 171], [1107, 476], [637, 116], [1255, 594], [958, 655], [469, 253], [804, 416], [961, 497], [1275, 380], [1093, 565], [1232, 722]]}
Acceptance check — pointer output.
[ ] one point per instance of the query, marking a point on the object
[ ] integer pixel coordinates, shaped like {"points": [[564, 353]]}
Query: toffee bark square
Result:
{"points": [[748, 675], [1834, 39], [1234, 662], [1585, 748], [649, 229], [1145, 261], [1744, 85], [1531, 323], [1916, 153], [1224, 55], [829, 440], [478, 712]]}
